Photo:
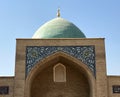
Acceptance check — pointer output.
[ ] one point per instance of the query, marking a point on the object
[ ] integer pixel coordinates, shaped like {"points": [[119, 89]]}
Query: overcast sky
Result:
{"points": [[96, 18]]}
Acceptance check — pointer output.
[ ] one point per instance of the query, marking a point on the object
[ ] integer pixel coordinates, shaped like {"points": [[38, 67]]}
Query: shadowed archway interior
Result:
{"points": [[76, 84]]}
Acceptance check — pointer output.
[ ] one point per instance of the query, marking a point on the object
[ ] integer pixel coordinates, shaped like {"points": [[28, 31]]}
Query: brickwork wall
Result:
{"points": [[113, 80], [101, 75], [7, 81]]}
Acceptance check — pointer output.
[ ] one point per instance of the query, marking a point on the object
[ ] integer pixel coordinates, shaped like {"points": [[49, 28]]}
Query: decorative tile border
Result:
{"points": [[86, 54]]}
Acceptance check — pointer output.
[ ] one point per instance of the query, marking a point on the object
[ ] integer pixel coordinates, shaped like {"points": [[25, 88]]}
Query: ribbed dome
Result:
{"points": [[58, 28]]}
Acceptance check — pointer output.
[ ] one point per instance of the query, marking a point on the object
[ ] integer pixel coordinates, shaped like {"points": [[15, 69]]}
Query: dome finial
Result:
{"points": [[58, 12]]}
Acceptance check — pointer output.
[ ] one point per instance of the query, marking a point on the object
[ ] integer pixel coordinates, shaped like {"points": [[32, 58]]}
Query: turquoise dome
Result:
{"points": [[58, 28]]}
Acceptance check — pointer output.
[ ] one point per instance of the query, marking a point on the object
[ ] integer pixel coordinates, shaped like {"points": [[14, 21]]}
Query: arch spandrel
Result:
{"points": [[85, 54]]}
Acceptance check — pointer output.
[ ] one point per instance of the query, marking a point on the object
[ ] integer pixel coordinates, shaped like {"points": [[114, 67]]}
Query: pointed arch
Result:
{"points": [[60, 57], [59, 73]]}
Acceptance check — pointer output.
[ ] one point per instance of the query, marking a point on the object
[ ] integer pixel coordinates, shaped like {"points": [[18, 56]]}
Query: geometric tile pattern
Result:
{"points": [[35, 54]]}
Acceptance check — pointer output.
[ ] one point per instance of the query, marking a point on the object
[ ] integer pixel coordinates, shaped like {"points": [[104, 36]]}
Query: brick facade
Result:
{"points": [[81, 82]]}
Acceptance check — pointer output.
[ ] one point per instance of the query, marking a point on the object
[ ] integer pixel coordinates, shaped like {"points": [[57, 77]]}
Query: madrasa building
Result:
{"points": [[60, 61]]}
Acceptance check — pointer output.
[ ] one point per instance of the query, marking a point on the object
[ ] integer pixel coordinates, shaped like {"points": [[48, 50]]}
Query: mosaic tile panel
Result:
{"points": [[35, 54]]}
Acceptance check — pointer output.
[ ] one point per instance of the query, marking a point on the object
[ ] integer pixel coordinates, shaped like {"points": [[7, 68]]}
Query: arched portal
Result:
{"points": [[80, 82]]}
